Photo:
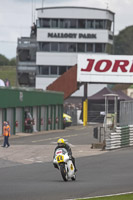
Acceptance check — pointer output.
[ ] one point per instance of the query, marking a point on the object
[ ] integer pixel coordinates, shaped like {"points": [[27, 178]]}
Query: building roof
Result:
{"points": [[77, 7], [104, 91]]}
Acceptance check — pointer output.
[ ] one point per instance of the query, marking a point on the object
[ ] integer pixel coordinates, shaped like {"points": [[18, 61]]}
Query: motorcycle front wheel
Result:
{"points": [[63, 172]]}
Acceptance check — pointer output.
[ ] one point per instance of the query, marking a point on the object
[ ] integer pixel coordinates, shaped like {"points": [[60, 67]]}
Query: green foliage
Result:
{"points": [[123, 42], [6, 62], [12, 62], [3, 60]]}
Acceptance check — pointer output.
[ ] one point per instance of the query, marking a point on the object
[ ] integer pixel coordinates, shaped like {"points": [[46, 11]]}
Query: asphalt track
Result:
{"points": [[102, 174]]}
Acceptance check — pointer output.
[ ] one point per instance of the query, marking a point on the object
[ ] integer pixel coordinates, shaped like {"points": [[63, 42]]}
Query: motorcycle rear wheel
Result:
{"points": [[63, 172]]}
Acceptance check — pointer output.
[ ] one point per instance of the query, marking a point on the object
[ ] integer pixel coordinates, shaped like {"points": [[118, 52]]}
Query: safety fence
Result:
{"points": [[122, 137]]}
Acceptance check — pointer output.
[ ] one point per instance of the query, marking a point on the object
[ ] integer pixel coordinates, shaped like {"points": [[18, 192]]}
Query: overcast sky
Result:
{"points": [[17, 16]]}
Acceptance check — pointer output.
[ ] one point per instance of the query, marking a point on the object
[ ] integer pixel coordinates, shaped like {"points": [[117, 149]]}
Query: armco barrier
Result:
{"points": [[123, 137]]}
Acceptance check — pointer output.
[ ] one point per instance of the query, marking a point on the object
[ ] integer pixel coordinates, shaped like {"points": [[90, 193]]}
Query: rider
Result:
{"points": [[61, 144]]}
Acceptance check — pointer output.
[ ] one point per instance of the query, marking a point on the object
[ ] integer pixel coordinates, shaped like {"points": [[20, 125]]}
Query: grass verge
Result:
{"points": [[8, 72], [116, 197]]}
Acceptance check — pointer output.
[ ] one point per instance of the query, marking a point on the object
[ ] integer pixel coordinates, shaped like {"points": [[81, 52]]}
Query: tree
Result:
{"points": [[12, 62], [3, 60], [123, 42]]}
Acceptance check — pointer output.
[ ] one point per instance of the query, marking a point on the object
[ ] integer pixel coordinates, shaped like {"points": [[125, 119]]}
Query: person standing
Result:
{"points": [[6, 133]]}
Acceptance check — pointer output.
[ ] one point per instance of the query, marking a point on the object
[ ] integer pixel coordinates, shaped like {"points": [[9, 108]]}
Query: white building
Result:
{"points": [[63, 32]]}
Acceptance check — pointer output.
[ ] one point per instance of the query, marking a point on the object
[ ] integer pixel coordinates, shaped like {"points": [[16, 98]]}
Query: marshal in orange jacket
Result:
{"points": [[6, 130]]}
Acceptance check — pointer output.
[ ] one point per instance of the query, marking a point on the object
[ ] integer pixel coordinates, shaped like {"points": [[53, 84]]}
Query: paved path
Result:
{"points": [[27, 148], [41, 153]]}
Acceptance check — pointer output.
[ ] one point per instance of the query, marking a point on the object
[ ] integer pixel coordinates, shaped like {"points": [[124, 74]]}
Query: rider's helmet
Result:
{"points": [[61, 142]]}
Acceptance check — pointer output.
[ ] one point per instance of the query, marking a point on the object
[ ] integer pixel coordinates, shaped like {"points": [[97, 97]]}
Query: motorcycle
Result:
{"points": [[64, 164]]}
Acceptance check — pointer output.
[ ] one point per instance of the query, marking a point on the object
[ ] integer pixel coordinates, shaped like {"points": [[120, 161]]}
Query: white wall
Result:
{"points": [[64, 59], [71, 12], [101, 35]]}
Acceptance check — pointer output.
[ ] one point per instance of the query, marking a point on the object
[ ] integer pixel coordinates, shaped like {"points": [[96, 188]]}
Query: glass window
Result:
{"points": [[40, 22], [64, 23], [89, 47], [110, 37], [109, 24], [63, 47], [71, 47], [62, 70], [99, 47], [54, 23], [90, 24], [80, 47], [45, 46], [81, 23], [54, 70], [44, 70], [54, 46], [99, 24], [40, 46], [45, 23], [73, 23]]}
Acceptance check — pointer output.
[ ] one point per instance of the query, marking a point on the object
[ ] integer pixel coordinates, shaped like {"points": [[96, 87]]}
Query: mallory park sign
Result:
{"points": [[105, 68], [72, 35]]}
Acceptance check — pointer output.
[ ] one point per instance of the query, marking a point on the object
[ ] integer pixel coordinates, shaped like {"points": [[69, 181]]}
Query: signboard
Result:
{"points": [[103, 68], [72, 35]]}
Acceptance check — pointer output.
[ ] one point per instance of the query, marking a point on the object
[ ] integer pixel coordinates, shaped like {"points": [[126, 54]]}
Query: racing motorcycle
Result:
{"points": [[64, 164]]}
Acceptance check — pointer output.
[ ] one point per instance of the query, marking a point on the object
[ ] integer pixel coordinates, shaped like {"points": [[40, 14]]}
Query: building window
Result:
{"points": [[90, 24], [89, 47], [99, 47], [45, 23], [45, 46], [110, 37], [71, 47], [63, 47], [73, 23], [81, 23], [54, 70], [64, 23], [80, 47], [54, 23], [109, 23], [62, 70], [99, 24], [54, 46], [44, 70]]}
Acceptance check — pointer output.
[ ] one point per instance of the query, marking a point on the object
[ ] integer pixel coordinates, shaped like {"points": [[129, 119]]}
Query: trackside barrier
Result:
{"points": [[123, 137]]}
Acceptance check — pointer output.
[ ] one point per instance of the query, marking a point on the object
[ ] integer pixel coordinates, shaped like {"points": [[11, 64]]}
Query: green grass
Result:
{"points": [[8, 72], [118, 197]]}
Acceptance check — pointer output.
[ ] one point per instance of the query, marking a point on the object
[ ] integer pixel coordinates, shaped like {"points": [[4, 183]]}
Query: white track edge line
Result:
{"points": [[109, 195]]}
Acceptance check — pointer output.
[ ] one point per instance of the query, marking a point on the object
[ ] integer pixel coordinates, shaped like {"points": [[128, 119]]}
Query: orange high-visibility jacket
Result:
{"points": [[6, 130]]}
